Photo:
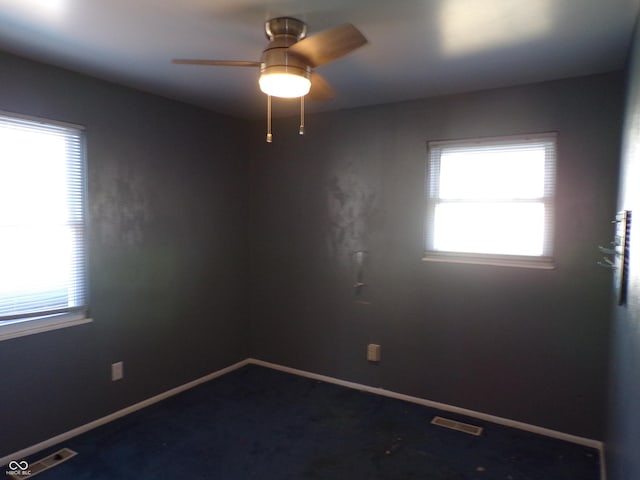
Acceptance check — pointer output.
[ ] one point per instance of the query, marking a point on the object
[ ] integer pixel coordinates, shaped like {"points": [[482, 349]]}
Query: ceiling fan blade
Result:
{"points": [[327, 46], [320, 88], [215, 63]]}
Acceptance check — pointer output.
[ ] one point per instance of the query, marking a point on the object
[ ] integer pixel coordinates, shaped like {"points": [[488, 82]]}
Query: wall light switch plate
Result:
{"points": [[117, 371], [373, 352]]}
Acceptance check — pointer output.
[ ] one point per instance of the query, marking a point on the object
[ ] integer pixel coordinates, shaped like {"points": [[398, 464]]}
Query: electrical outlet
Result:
{"points": [[373, 352], [117, 371]]}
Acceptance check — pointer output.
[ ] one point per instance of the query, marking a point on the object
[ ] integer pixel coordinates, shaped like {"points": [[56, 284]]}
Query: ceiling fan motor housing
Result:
{"points": [[283, 32]]}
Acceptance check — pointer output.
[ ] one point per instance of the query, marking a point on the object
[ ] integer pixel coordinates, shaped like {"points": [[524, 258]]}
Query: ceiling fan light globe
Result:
{"points": [[284, 85]]}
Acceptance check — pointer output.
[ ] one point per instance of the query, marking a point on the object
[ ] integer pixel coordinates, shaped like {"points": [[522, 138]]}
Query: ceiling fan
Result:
{"points": [[286, 66]]}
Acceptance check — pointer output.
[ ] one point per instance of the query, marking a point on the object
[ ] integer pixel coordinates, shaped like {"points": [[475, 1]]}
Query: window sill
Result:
{"points": [[537, 263], [21, 328]]}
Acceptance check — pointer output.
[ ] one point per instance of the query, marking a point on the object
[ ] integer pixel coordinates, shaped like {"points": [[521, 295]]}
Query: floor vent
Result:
{"points": [[453, 425], [41, 465]]}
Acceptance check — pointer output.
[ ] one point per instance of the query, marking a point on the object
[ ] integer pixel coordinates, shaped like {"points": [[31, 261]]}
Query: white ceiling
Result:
{"points": [[417, 48]]}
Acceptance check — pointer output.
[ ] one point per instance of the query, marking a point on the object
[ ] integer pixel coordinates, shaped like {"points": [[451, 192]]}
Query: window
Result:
{"points": [[490, 201], [42, 226]]}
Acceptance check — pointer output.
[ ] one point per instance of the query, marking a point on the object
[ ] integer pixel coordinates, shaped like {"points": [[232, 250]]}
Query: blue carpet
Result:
{"points": [[257, 423]]}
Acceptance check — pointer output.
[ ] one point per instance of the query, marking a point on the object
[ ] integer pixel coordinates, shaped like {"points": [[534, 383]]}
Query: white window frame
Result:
{"points": [[65, 317], [435, 149]]}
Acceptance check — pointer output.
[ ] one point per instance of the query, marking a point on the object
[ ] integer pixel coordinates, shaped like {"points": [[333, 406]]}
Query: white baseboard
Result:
{"points": [[440, 406], [603, 464], [357, 386], [587, 442], [19, 455]]}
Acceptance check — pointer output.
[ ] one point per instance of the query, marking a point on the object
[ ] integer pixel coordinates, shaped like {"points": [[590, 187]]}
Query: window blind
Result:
{"points": [[42, 219], [491, 196]]}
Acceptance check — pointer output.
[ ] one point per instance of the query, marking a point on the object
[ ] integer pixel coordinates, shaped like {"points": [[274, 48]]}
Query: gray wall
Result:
{"points": [[523, 344], [171, 282], [624, 412], [167, 238]]}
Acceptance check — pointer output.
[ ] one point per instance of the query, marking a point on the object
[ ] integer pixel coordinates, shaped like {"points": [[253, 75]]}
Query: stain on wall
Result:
{"points": [[122, 213], [352, 205]]}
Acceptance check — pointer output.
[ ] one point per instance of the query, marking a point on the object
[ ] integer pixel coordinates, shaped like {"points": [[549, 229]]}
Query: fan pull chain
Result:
{"points": [[269, 135], [301, 130]]}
